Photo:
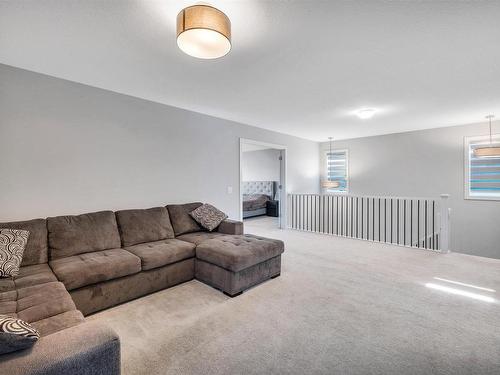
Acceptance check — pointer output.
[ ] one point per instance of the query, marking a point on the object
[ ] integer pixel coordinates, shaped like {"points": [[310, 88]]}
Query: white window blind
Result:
{"points": [[482, 174], [336, 169]]}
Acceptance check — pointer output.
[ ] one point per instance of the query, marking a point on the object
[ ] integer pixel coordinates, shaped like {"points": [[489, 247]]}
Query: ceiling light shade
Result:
{"points": [[203, 32], [489, 151], [328, 184], [366, 113]]}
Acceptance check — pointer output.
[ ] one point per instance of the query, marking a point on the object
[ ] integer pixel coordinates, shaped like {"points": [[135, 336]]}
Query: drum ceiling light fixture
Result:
{"points": [[203, 32], [489, 151]]}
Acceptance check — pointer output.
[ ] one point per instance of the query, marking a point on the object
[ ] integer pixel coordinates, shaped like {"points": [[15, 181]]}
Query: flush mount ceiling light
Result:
{"points": [[489, 151], [203, 32], [328, 183], [365, 113]]}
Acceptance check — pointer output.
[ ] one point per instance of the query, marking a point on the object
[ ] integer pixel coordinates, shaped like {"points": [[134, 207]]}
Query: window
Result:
{"points": [[336, 170], [482, 175]]}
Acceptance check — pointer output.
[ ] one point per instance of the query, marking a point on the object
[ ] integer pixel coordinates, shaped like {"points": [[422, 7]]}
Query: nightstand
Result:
{"points": [[273, 208]]}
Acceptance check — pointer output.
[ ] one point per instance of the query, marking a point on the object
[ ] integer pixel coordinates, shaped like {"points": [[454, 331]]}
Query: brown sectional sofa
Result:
{"points": [[76, 265]]}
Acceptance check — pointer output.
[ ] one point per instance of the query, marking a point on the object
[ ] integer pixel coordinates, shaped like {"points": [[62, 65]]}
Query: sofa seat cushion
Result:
{"points": [[160, 253], [91, 268], [28, 276], [58, 322], [235, 253], [181, 220], [144, 225], [73, 235], [199, 237], [43, 301]]}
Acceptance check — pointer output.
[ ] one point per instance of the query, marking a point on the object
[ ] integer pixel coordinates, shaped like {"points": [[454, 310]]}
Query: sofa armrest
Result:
{"points": [[86, 349], [230, 227]]}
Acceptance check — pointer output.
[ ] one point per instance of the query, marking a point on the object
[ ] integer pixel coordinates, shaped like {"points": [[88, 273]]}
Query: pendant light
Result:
{"points": [[488, 151], [329, 184], [203, 32]]}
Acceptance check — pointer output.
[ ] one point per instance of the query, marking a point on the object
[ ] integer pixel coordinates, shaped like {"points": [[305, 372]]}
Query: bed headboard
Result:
{"points": [[260, 187]]}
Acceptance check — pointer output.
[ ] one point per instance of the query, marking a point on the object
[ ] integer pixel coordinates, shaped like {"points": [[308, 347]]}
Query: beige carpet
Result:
{"points": [[340, 307]]}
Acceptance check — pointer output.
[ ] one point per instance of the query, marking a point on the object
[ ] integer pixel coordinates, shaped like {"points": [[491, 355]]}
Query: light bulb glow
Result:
{"points": [[365, 113]]}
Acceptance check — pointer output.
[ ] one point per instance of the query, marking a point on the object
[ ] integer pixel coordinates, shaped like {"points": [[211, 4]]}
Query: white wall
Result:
{"points": [[261, 165], [67, 148], [426, 164]]}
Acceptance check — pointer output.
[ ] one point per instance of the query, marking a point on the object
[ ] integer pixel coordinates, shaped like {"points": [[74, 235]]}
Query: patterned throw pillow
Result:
{"points": [[16, 334], [208, 216], [12, 244]]}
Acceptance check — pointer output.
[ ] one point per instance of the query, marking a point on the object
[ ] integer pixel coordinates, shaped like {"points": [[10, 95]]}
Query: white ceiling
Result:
{"points": [[297, 67]]}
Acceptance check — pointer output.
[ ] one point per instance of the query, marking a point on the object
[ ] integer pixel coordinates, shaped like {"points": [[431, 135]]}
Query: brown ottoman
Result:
{"points": [[235, 263]]}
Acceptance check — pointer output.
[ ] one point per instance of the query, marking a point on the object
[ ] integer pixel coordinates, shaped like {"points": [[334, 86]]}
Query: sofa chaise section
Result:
{"points": [[238, 262]]}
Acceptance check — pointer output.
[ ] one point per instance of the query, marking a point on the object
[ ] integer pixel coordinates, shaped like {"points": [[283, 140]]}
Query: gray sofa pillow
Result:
{"points": [[73, 235], [16, 334], [180, 218], [144, 225]]}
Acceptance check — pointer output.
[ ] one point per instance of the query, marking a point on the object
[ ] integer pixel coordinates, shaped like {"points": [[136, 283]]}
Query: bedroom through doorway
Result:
{"points": [[262, 183]]}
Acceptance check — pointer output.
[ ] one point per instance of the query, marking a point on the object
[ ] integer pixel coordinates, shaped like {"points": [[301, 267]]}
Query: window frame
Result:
{"points": [[468, 140], [325, 170]]}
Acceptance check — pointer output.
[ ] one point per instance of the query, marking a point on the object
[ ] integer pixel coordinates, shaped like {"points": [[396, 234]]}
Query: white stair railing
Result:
{"points": [[411, 222]]}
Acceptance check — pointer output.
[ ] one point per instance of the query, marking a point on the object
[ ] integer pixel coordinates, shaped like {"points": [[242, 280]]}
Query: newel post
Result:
{"points": [[444, 224]]}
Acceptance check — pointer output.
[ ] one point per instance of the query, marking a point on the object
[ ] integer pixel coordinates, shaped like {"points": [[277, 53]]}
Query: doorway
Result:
{"points": [[263, 183]]}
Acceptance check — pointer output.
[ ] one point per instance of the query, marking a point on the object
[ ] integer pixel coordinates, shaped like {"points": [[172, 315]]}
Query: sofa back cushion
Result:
{"points": [[36, 250], [181, 220], [144, 225], [72, 235]]}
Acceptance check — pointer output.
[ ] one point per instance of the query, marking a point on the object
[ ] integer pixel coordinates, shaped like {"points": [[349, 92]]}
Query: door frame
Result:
{"points": [[282, 182]]}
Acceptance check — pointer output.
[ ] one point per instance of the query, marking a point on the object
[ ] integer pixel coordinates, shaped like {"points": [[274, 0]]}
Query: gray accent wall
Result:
{"points": [[426, 163], [68, 148], [261, 165]]}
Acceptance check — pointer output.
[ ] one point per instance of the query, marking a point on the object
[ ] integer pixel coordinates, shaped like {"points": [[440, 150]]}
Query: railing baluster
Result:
{"points": [[385, 220], [337, 215], [352, 213], [411, 223], [379, 220], [362, 217], [391, 220], [404, 223], [373, 219], [425, 226], [433, 227], [367, 218], [330, 215], [418, 223], [357, 217], [397, 221]]}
